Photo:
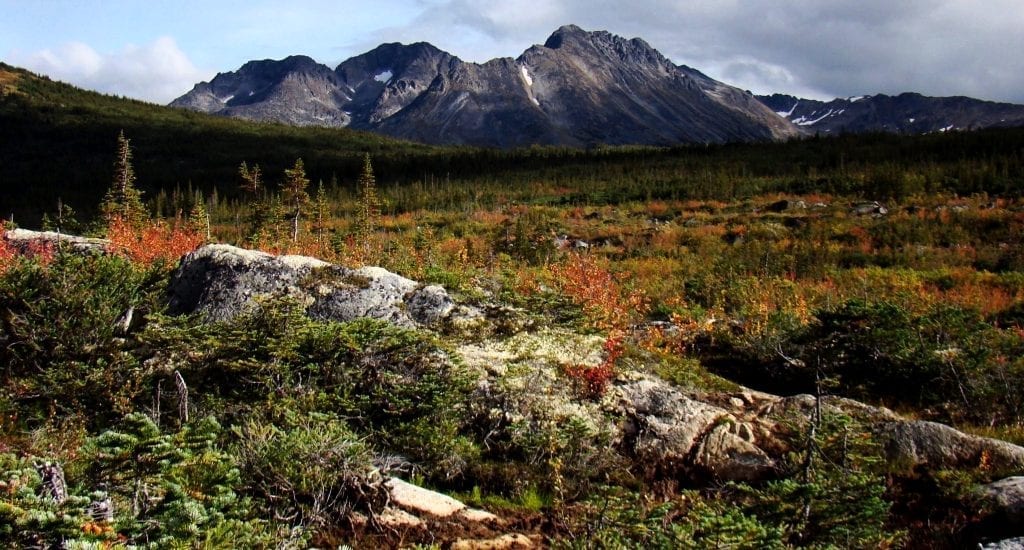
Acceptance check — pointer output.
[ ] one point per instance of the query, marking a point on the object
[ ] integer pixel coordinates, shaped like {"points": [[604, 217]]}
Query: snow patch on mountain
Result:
{"points": [[789, 113], [526, 76], [804, 121]]}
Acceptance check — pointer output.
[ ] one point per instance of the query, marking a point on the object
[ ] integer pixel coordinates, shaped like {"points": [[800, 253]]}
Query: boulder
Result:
{"points": [[420, 501], [676, 435], [1007, 498], [911, 444], [24, 240], [220, 281]]}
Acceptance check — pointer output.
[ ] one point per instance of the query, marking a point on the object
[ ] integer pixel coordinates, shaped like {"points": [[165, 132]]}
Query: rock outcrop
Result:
{"points": [[911, 444], [1007, 496], [221, 281], [666, 432]]}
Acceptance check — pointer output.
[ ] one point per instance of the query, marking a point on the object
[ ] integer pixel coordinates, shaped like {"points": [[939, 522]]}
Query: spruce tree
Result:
{"points": [[123, 200], [295, 197], [369, 205], [322, 207]]}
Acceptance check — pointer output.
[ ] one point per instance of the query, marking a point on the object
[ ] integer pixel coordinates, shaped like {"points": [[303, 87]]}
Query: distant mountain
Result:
{"points": [[580, 88], [906, 113]]}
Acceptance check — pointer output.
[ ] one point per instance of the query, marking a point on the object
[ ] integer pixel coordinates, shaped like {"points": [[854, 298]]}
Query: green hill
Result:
{"points": [[57, 140]]}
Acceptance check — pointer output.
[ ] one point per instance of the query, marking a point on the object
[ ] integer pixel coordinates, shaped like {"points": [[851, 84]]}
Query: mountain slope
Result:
{"points": [[906, 113], [579, 88]]}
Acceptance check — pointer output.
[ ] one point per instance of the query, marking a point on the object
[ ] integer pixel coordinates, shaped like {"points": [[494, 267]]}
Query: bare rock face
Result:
{"points": [[221, 281]]}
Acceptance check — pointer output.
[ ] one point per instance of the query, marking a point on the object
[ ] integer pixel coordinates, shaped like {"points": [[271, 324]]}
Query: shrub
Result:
{"points": [[311, 471], [153, 242], [58, 340], [397, 385]]}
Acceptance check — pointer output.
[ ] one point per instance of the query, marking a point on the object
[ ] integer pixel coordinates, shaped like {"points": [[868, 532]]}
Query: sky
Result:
{"points": [[156, 50]]}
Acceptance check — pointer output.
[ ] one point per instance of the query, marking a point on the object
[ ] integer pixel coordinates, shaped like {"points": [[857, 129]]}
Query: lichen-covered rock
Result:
{"points": [[221, 281]]}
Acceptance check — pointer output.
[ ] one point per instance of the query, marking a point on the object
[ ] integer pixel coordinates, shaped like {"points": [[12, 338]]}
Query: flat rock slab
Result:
{"points": [[418, 500]]}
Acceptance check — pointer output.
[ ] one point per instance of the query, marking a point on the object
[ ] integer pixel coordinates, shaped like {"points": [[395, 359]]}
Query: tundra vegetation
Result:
{"points": [[885, 269]]}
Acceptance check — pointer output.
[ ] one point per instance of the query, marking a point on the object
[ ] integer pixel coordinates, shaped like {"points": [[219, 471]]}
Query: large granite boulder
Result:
{"points": [[220, 281]]}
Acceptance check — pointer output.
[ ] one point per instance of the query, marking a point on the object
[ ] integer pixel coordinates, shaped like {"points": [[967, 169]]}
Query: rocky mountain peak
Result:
{"points": [[574, 40], [580, 88]]}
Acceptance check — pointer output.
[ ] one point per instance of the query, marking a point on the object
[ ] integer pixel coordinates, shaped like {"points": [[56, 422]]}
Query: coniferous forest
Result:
{"points": [[884, 269]]}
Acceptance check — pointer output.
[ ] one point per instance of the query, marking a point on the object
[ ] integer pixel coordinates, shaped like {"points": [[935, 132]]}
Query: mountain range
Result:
{"points": [[907, 113], [579, 88]]}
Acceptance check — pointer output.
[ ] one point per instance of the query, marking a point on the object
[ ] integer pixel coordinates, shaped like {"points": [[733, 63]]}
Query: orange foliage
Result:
{"points": [[42, 252], [593, 381], [7, 255], [608, 306], [153, 241]]}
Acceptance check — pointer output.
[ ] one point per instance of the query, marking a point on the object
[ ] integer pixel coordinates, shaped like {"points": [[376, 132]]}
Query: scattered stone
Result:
{"points": [[873, 208], [786, 204]]}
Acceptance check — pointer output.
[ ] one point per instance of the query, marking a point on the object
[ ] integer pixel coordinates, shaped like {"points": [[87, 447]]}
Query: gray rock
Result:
{"points": [[675, 434], [24, 239], [869, 209], [221, 281], [919, 443], [728, 452], [1008, 497]]}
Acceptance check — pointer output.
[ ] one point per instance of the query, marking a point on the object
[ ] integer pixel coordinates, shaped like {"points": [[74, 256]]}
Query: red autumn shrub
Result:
{"points": [[153, 241]]}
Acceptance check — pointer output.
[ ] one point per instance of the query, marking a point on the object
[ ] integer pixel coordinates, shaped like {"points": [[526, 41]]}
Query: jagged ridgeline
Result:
{"points": [[577, 89]]}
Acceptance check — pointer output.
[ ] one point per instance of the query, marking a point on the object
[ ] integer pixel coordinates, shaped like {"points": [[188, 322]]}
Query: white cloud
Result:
{"points": [[157, 72]]}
